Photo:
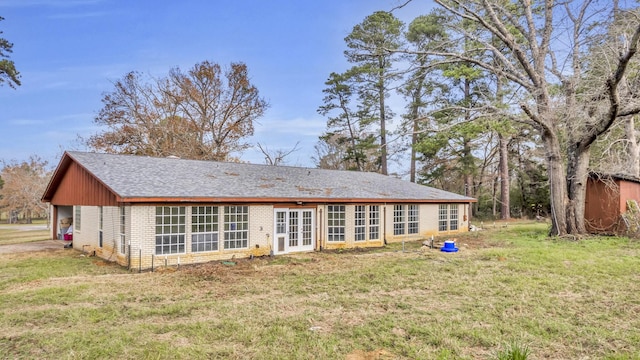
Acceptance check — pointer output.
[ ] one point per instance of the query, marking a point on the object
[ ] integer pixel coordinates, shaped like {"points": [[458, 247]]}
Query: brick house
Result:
{"points": [[140, 211]]}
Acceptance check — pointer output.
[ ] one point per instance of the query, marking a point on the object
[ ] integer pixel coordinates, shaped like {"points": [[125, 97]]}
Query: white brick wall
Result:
{"points": [[140, 233]]}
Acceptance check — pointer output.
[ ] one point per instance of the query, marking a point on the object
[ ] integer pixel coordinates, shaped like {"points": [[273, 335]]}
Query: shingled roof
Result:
{"points": [[136, 178]]}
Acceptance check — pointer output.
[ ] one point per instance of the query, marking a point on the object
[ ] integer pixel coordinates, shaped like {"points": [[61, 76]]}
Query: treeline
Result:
{"points": [[512, 103]]}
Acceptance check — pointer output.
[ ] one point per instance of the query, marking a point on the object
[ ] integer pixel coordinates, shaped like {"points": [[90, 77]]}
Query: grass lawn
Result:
{"points": [[505, 287], [21, 233]]}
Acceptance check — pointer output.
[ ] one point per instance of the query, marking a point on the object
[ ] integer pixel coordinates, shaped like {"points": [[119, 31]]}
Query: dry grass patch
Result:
{"points": [[16, 234], [557, 299]]}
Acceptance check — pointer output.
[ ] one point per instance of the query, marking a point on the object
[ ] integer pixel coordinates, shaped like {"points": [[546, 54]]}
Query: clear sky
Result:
{"points": [[69, 52]]}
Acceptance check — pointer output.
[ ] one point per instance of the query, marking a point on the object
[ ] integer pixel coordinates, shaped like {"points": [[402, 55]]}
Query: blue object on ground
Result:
{"points": [[449, 246]]}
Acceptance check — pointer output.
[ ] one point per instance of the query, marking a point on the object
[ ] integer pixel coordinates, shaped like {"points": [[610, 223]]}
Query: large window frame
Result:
{"points": [[170, 230], [336, 223], [100, 225], [453, 216], [360, 223], [448, 216], [399, 217], [205, 228], [374, 222], [122, 229], [236, 227], [413, 219], [77, 221], [443, 217]]}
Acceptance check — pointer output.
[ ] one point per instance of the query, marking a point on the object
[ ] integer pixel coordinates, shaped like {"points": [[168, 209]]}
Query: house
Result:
{"points": [[140, 211], [607, 200]]}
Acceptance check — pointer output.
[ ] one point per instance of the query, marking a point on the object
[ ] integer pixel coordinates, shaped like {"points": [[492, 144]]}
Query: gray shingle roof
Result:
{"points": [[147, 177]]}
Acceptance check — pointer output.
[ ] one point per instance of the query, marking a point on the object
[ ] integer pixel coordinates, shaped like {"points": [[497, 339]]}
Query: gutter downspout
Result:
{"points": [[320, 227], [384, 223]]}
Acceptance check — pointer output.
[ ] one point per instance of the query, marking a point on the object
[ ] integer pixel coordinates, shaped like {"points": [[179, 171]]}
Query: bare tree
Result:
{"points": [[276, 157], [23, 186], [205, 113], [526, 56]]}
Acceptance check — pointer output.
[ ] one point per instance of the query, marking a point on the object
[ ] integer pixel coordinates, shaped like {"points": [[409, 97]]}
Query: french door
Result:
{"points": [[293, 230]]}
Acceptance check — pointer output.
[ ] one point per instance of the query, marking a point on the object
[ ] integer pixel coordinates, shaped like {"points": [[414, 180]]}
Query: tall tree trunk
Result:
{"points": [[557, 184], [633, 149], [414, 141], [494, 197], [467, 156], [383, 130], [415, 107], [577, 174], [505, 205]]}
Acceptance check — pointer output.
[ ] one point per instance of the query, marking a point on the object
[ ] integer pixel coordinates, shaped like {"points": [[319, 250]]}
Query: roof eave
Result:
{"points": [[275, 200]]}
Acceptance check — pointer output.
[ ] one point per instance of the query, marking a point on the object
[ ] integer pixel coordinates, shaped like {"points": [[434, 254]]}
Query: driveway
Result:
{"points": [[32, 246]]}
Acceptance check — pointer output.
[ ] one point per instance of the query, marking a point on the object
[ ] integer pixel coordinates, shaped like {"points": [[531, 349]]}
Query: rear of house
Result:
{"points": [[144, 212]]}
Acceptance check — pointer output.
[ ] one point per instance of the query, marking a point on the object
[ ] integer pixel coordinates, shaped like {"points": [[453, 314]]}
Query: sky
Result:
{"points": [[70, 52]]}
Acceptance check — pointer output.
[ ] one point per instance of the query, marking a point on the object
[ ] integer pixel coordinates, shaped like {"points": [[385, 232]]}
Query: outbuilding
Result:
{"points": [[608, 198], [139, 210]]}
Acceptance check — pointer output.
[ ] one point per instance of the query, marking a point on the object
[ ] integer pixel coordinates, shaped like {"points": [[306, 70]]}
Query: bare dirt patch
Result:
{"points": [[380, 354], [47, 245]]}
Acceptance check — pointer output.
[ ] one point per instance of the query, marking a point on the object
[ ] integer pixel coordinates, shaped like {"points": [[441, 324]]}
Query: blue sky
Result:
{"points": [[70, 51]]}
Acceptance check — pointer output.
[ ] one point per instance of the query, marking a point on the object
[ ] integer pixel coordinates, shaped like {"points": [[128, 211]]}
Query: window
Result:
{"points": [[170, 230], [453, 217], [412, 225], [442, 217], [100, 225], [236, 227], [335, 222], [360, 223], [374, 222], [398, 220], [100, 218], [204, 228], [123, 238], [281, 222], [76, 221]]}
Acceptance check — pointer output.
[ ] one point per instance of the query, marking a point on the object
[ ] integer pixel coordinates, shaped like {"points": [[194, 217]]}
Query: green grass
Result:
{"points": [[507, 292], [16, 234]]}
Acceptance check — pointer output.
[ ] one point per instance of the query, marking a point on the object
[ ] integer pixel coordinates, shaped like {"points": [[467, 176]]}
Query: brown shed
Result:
{"points": [[606, 201]]}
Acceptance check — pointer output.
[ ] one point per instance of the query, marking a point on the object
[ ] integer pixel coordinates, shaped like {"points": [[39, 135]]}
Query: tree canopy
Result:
{"points": [[205, 113], [8, 72], [22, 186]]}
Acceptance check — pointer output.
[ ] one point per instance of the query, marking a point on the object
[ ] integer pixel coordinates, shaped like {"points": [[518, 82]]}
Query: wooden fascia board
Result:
{"points": [[156, 200]]}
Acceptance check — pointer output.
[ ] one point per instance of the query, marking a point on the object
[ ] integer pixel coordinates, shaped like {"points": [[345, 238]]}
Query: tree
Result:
{"points": [[8, 72], [372, 46], [23, 185], [618, 151], [424, 32], [559, 101], [205, 113], [347, 126], [276, 157]]}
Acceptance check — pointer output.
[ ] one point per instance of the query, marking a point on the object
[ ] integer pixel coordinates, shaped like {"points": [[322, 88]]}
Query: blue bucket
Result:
{"points": [[449, 246]]}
